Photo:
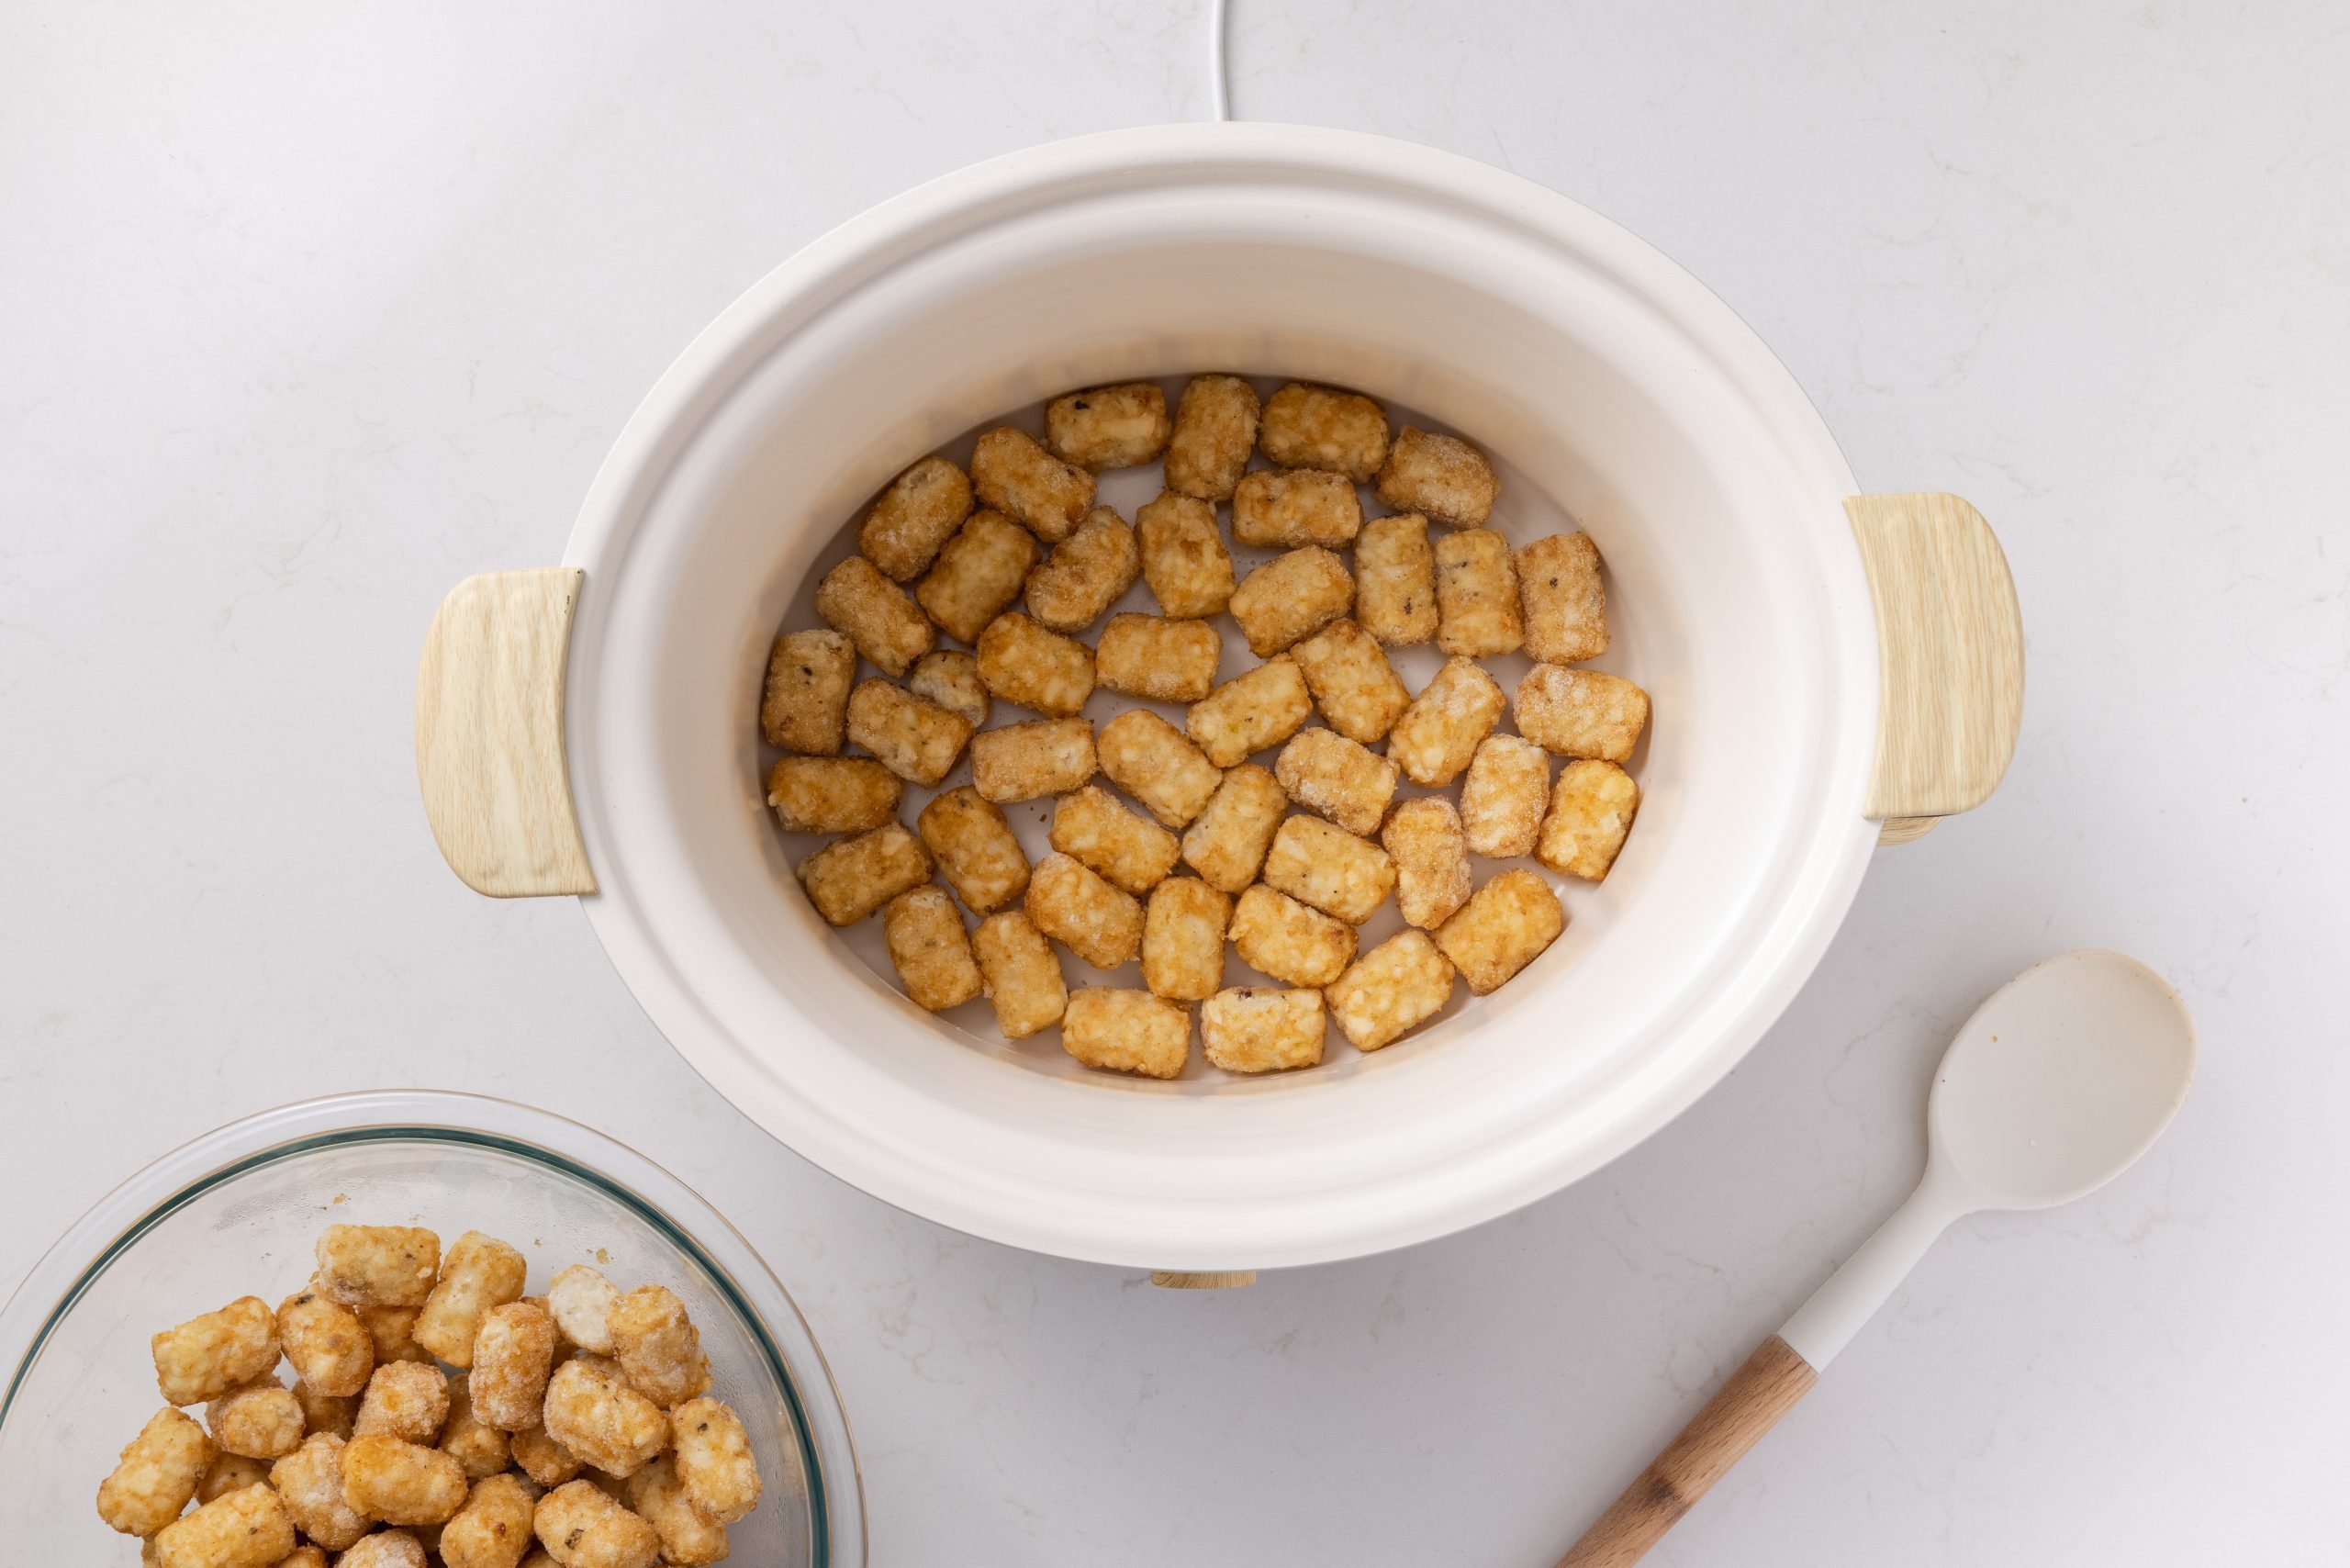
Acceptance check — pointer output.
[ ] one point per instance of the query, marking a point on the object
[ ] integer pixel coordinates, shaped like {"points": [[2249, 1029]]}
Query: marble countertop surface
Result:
{"points": [[307, 312]]}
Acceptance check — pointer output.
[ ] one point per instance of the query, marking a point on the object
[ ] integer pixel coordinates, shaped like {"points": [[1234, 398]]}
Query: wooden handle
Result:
{"points": [[1733, 1420], [1951, 643], [489, 734], [1167, 1280]]}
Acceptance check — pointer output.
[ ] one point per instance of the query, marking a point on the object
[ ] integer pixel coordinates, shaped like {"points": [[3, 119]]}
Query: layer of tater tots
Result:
{"points": [[1042, 757], [1109, 427], [1291, 597], [1253, 710], [974, 848], [1281, 509], [1083, 910], [1158, 660], [1327, 773], [1592, 808], [1216, 428], [1478, 614], [1085, 573], [1250, 1029], [1227, 846], [1503, 928], [1023, 663], [1580, 712], [1183, 557], [888, 627], [1126, 1031], [1277, 935], [1565, 602], [1153, 762], [1337, 872], [1321, 427], [1357, 691], [1424, 838], [918, 513], [850, 880], [1029, 484], [1396, 580], [951, 678], [1131, 850], [1439, 734], [806, 700], [1503, 799], [911, 737], [1440, 476], [930, 949], [1391, 990], [1021, 972], [977, 575], [1183, 939]]}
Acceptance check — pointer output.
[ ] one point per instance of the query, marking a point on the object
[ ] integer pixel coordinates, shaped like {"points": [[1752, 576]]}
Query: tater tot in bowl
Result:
{"points": [[98, 1456]]}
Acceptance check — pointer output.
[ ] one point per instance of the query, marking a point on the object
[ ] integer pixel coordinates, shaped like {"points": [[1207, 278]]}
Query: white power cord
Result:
{"points": [[1219, 90]]}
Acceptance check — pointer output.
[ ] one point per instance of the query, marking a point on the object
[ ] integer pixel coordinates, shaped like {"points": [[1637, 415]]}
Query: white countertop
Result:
{"points": [[307, 311]]}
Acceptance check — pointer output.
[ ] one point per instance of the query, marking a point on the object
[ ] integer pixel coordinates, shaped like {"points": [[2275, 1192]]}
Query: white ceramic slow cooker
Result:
{"points": [[1822, 665]]}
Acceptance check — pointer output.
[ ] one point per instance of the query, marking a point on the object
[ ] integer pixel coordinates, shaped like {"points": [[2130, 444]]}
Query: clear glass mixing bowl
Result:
{"points": [[237, 1211]]}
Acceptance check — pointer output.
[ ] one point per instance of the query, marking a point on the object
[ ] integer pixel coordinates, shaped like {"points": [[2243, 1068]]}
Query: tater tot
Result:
{"points": [[714, 1460], [582, 1527], [917, 514], [1131, 851], [976, 849], [1126, 1031], [1158, 660], [1322, 426], [1183, 939], [378, 1265], [1440, 476], [1085, 573], [401, 1482], [977, 575], [848, 880], [158, 1472], [807, 692], [1396, 580], [1502, 798], [1501, 930], [1023, 976], [951, 679], [1391, 990], [1250, 1029], [512, 1355], [1357, 691], [385, 1549], [307, 1555], [542, 1458], [310, 1480], [331, 1349], [393, 1330], [1565, 604], [1215, 427], [1476, 595], [930, 949], [1324, 772], [493, 1529], [406, 1399], [689, 1537], [261, 1419], [911, 737], [1277, 935], [1023, 663], [593, 1412], [1082, 911], [1183, 557], [243, 1530], [1580, 712], [230, 1472], [1439, 734], [1281, 508], [580, 1299], [1108, 427], [1029, 484], [1329, 867], [1431, 857], [1250, 712], [473, 1442], [832, 794], [1043, 757], [335, 1413], [1592, 807], [1292, 597], [477, 1274], [1152, 760], [207, 1356], [875, 614], [1226, 845]]}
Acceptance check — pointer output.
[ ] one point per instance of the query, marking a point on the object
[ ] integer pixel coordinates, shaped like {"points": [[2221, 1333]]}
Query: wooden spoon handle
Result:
{"points": [[1733, 1420]]}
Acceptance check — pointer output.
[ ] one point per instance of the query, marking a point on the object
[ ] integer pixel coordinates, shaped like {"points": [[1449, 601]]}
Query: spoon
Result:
{"points": [[2054, 1087]]}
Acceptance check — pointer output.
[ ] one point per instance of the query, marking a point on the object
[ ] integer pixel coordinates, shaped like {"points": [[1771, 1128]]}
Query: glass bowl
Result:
{"points": [[237, 1211]]}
